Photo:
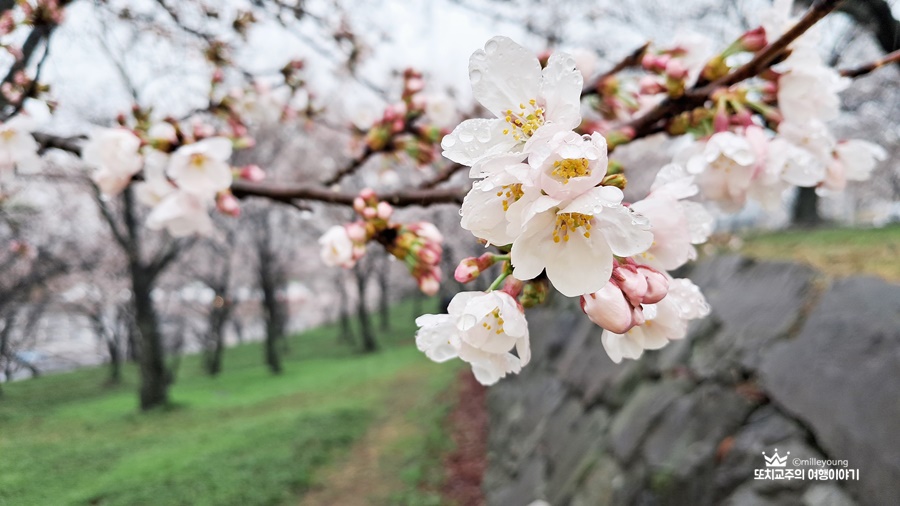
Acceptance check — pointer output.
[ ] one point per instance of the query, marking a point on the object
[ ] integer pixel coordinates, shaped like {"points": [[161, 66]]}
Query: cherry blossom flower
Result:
{"points": [[569, 164], [440, 110], [493, 207], [481, 329], [677, 224], [155, 186], [507, 80], [664, 321], [182, 214], [337, 247], [809, 89], [202, 168], [575, 241], [854, 160], [114, 154], [724, 168], [801, 152]]}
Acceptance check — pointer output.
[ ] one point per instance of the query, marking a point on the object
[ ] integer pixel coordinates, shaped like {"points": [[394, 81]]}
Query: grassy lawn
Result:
{"points": [[839, 252], [246, 437]]}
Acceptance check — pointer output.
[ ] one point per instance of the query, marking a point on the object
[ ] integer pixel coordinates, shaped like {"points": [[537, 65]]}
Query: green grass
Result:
{"points": [[245, 437], [838, 251]]}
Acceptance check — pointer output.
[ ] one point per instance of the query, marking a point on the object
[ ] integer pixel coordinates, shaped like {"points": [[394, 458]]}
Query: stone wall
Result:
{"points": [[787, 360]]}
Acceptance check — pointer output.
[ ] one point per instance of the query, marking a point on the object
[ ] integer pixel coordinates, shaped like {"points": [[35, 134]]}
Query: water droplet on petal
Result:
{"points": [[491, 46], [466, 322], [484, 135], [448, 142], [475, 76], [466, 136]]}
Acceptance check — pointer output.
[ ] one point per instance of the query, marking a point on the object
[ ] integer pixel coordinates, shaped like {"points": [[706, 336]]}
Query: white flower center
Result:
{"points": [[524, 123], [568, 168], [493, 321], [570, 222], [197, 161], [513, 193]]}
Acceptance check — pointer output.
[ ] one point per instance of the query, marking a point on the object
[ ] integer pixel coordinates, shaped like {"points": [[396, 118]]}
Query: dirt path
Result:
{"points": [[359, 479], [468, 425]]}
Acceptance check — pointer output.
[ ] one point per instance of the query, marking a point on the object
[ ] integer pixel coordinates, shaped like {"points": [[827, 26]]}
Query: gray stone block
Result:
{"points": [[631, 424], [841, 377]]}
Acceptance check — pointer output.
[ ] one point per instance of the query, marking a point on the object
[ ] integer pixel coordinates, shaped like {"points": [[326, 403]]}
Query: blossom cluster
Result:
{"points": [[417, 245], [549, 199], [183, 174]]}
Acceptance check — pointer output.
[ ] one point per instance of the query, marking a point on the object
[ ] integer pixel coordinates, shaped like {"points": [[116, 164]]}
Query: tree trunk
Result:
{"points": [[362, 313], [806, 209], [274, 323], [345, 334], [215, 339], [115, 360], [384, 301], [155, 378]]}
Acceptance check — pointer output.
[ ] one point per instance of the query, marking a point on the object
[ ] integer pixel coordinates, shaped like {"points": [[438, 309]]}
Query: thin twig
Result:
{"points": [[862, 70], [632, 59], [670, 107]]}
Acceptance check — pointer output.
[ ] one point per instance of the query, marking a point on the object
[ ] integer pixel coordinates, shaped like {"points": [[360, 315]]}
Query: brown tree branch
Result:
{"points": [[893, 57], [632, 59], [287, 193], [352, 167], [670, 107]]}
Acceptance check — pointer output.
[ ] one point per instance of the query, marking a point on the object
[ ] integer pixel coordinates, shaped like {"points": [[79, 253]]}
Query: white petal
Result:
{"points": [[580, 266], [561, 88], [618, 346], [504, 75], [628, 233], [475, 139]]}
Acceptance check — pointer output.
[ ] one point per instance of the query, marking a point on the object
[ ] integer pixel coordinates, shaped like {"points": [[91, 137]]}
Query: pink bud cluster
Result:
{"points": [[617, 306], [418, 244], [405, 126]]}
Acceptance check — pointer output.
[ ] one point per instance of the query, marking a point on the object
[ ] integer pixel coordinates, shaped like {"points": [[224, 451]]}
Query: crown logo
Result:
{"points": [[775, 460]]}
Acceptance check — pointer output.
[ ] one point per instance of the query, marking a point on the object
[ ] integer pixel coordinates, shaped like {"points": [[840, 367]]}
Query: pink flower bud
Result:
{"points": [[513, 287], [427, 231], [356, 231], [253, 173], [742, 118], [369, 213], [649, 62], [359, 204], [754, 40], [675, 69], [203, 130], [657, 284], [609, 309], [228, 204], [631, 282], [429, 284], [471, 267], [384, 210], [429, 254], [662, 61], [650, 86], [721, 121], [368, 194], [467, 270], [415, 84]]}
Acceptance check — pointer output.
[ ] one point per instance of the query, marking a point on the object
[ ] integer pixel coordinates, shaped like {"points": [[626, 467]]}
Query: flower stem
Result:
{"points": [[497, 282]]}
